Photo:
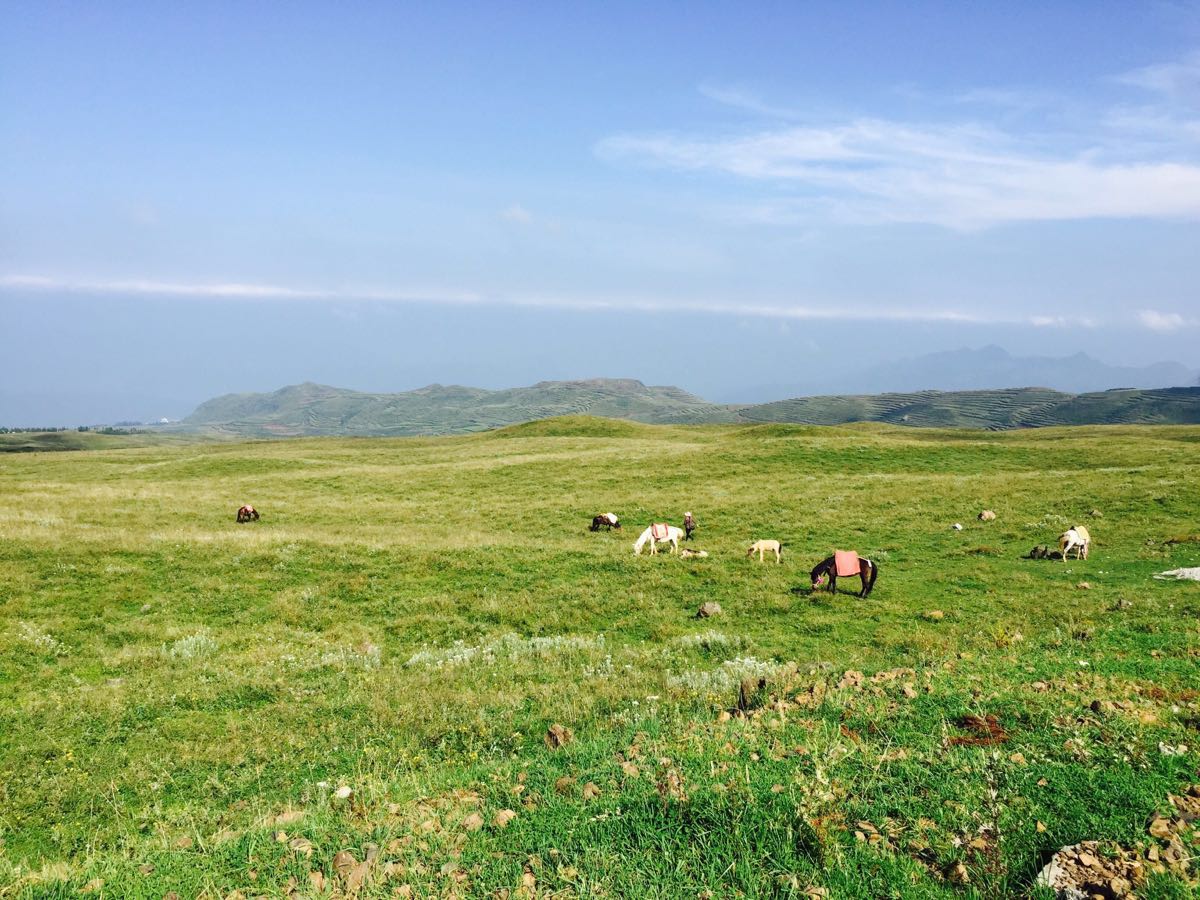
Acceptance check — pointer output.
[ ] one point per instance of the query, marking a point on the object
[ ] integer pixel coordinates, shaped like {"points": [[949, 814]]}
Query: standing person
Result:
{"points": [[689, 525]]}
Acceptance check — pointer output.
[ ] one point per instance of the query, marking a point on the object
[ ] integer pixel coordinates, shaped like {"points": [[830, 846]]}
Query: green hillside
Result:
{"points": [[311, 409], [993, 410]]}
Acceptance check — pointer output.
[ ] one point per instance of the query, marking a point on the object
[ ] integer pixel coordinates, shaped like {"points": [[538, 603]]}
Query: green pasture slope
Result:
{"points": [[194, 706]]}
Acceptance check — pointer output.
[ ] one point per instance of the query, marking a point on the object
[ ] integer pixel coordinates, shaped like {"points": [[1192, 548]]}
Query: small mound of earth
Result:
{"points": [[1092, 869]]}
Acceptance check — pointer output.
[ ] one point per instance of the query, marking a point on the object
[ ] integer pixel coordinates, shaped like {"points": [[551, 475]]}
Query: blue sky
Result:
{"points": [[912, 177]]}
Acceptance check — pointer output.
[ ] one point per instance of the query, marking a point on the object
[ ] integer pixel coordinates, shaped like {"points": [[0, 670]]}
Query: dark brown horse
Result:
{"points": [[247, 513], [607, 521], [825, 573]]}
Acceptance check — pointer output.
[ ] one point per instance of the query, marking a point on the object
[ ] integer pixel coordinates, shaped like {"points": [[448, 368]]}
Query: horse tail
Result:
{"points": [[874, 574]]}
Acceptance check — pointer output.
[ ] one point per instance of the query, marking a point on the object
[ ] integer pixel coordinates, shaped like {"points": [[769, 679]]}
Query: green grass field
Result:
{"points": [[349, 697]]}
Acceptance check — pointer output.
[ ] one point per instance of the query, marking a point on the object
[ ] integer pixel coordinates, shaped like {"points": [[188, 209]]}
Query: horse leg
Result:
{"points": [[778, 557]]}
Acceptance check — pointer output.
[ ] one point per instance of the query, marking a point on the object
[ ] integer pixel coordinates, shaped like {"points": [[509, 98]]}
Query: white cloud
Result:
{"points": [[822, 310], [1135, 162], [1164, 322], [517, 213], [958, 176], [227, 290], [1175, 79], [744, 100]]}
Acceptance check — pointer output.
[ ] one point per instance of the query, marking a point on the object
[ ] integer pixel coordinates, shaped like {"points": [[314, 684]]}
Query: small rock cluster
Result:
{"points": [[1090, 869], [1108, 871]]}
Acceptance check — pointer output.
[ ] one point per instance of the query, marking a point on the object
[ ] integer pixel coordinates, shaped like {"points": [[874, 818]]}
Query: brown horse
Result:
{"points": [[825, 572], [247, 513], [607, 521]]}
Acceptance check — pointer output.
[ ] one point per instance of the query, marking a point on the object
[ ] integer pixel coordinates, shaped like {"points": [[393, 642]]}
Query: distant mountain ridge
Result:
{"points": [[985, 368], [313, 409], [991, 367]]}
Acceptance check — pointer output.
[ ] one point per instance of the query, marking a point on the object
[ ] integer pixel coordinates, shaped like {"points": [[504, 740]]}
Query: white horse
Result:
{"points": [[673, 536], [1077, 538], [764, 547]]}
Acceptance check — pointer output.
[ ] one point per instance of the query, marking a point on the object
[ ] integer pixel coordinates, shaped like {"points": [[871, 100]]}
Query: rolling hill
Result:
{"points": [[312, 409]]}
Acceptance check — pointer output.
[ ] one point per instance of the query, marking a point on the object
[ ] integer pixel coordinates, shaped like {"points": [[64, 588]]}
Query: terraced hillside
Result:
{"points": [[312, 409]]}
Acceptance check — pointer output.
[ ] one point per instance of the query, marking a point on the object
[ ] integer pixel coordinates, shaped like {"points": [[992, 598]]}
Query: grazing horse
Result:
{"points": [[247, 513], [827, 572], [607, 521], [1078, 538], [761, 547], [656, 534]]}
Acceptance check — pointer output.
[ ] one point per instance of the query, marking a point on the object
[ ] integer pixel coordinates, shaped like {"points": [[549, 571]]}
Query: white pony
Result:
{"points": [[1078, 538], [671, 534]]}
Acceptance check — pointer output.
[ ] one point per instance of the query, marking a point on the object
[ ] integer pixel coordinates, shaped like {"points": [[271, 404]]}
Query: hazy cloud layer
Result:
{"points": [[1139, 164]]}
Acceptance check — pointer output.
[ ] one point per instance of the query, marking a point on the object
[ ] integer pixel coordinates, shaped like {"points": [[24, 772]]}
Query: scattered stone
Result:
{"points": [[558, 736], [851, 679], [344, 792], [957, 527], [933, 615], [987, 516], [1188, 574], [708, 610], [1083, 586], [1160, 828], [750, 691], [1096, 514], [344, 862]]}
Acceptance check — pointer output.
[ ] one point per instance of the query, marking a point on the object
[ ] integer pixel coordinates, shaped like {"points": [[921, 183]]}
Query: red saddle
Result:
{"points": [[846, 562]]}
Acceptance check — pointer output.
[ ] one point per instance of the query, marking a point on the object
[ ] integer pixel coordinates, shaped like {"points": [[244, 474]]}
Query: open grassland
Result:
{"points": [[194, 706]]}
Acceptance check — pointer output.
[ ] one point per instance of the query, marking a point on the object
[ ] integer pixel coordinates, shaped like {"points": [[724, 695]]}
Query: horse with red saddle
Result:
{"points": [[844, 563]]}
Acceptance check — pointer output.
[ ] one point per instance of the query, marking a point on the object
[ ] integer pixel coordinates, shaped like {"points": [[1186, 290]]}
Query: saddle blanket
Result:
{"points": [[846, 562], [659, 531]]}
